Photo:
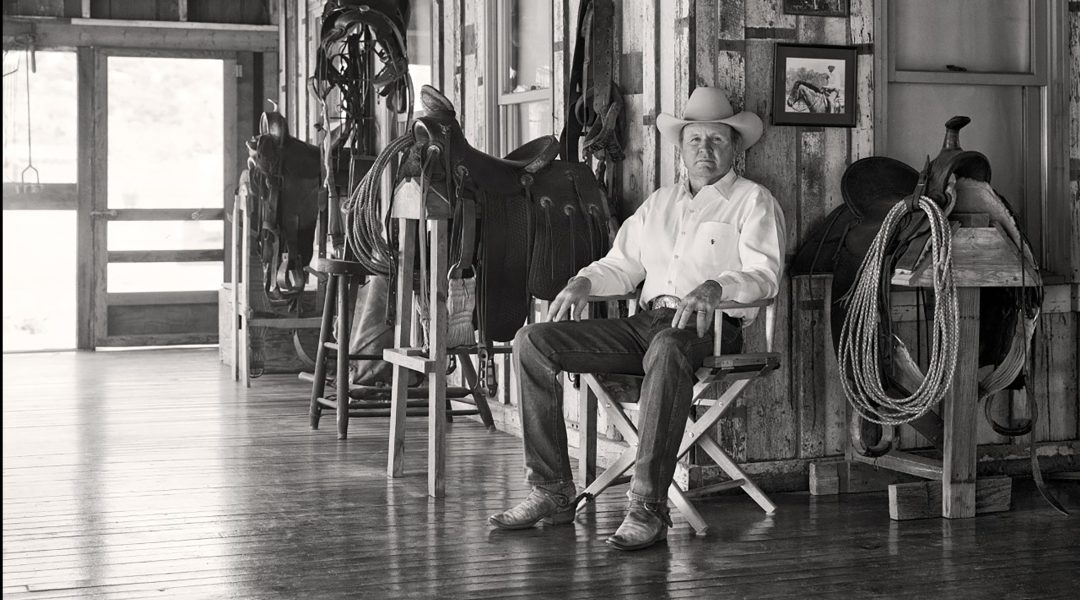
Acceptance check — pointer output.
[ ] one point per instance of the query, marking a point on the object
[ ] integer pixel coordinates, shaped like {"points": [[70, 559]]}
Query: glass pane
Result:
{"points": [[39, 303], [166, 130], [166, 235], [526, 122], [529, 47], [51, 115], [165, 277], [419, 40], [978, 35], [917, 115]]}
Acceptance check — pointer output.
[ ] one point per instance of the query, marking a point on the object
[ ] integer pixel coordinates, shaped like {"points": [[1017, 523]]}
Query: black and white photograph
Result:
{"points": [[814, 85], [516, 299], [817, 8]]}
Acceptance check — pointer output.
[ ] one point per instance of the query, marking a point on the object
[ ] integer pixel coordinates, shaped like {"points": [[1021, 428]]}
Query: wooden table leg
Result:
{"points": [[437, 344], [958, 473]]}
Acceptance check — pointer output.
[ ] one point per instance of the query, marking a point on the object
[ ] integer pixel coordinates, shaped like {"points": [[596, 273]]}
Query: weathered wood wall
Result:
{"points": [[665, 49]]}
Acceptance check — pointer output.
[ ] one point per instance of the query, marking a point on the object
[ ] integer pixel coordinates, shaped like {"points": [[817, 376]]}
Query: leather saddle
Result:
{"points": [[524, 223], [956, 179], [285, 179]]}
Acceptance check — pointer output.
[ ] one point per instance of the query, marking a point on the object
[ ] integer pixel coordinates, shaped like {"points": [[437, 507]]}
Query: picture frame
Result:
{"points": [[814, 85], [818, 8]]}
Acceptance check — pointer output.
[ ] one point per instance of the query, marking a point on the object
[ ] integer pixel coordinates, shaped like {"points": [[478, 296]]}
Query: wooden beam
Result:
{"points": [[161, 35], [162, 339], [912, 464], [155, 298], [182, 10], [143, 256], [47, 196], [84, 189], [166, 214], [840, 477], [922, 500]]}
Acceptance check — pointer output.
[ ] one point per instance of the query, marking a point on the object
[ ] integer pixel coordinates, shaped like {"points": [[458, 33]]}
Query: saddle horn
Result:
{"points": [[952, 132]]}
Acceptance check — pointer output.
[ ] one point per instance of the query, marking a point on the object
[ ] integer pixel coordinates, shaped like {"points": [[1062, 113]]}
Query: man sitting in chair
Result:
{"points": [[716, 237]]}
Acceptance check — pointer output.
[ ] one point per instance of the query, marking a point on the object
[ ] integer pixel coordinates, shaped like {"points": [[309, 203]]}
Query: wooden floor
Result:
{"points": [[150, 474]]}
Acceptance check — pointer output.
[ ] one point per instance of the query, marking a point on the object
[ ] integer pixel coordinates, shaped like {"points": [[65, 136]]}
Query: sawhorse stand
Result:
{"points": [[410, 212], [982, 257]]}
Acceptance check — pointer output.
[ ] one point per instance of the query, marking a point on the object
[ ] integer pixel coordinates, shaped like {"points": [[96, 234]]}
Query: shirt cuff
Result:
{"points": [[730, 282]]}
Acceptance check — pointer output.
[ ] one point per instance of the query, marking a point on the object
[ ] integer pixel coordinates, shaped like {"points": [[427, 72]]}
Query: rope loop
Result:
{"points": [[860, 351]]}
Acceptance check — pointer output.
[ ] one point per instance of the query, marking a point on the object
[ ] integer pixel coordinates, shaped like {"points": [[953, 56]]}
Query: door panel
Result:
{"points": [[163, 201]]}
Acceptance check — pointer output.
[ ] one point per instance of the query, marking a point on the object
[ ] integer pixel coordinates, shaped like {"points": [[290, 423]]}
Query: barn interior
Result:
{"points": [[220, 383]]}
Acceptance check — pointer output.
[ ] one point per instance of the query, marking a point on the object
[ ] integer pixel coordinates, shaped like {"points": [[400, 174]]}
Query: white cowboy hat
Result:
{"points": [[711, 105]]}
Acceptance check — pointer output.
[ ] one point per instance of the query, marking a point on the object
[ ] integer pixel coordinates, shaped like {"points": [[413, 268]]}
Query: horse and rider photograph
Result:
{"points": [[814, 85]]}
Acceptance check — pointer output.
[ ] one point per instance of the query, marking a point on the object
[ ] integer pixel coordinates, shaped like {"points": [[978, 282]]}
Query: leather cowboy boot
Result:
{"points": [[550, 506], [644, 525]]}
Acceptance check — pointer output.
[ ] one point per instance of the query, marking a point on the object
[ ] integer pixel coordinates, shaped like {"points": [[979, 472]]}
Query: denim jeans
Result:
{"points": [[644, 344]]}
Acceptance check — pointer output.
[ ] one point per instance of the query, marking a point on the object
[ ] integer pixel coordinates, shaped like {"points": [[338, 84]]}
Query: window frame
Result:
{"points": [[502, 104], [1045, 100]]}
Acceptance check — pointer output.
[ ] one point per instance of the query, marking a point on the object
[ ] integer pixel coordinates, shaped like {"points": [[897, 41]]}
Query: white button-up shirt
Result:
{"points": [[731, 232]]}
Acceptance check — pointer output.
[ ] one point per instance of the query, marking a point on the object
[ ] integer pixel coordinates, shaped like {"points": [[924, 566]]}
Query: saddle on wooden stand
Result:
{"points": [[848, 241], [285, 180]]}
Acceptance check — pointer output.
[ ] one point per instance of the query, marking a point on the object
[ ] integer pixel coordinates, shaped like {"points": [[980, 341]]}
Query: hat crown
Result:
{"points": [[707, 104]]}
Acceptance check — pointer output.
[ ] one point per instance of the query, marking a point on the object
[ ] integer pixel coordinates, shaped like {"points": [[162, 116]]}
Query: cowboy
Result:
{"points": [[712, 238], [832, 93]]}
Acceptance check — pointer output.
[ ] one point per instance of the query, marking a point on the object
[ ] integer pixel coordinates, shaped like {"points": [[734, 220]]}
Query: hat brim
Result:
{"points": [[746, 123]]}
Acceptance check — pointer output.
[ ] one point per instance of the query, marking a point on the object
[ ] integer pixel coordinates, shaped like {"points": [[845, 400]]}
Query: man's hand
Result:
{"points": [[571, 301], [703, 300]]}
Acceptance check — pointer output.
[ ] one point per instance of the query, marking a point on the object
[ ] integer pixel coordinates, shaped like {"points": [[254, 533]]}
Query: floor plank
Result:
{"points": [[151, 474]]}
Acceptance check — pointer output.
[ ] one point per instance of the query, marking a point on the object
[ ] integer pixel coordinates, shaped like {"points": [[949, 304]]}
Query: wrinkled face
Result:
{"points": [[708, 149]]}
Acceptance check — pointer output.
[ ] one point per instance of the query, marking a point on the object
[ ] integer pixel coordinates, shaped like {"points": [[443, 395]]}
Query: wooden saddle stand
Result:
{"points": [[995, 275]]}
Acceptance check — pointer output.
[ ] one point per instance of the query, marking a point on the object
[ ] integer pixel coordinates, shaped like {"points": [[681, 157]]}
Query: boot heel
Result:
{"points": [[562, 517]]}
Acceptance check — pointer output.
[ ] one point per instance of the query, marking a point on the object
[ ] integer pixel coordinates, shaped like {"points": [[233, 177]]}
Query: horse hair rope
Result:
{"points": [[859, 339]]}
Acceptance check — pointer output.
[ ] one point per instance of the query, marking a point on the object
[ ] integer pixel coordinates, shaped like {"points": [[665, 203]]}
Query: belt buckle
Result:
{"points": [[665, 301]]}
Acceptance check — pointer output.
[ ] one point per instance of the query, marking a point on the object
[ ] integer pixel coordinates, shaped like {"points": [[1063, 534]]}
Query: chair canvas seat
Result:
{"points": [[739, 370]]}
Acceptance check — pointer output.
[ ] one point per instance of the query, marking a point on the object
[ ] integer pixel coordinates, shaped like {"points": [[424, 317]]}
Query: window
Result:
{"points": [[420, 50], [994, 62], [524, 71]]}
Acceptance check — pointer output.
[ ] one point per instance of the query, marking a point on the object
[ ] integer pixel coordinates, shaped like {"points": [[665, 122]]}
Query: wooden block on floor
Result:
{"points": [[840, 477], [922, 499]]}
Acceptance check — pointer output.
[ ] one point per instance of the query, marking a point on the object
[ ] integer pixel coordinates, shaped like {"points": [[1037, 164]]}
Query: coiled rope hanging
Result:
{"points": [[366, 229], [859, 348]]}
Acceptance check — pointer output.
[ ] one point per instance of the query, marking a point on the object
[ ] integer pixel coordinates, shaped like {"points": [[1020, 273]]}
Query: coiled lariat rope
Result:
{"points": [[859, 348], [366, 228]]}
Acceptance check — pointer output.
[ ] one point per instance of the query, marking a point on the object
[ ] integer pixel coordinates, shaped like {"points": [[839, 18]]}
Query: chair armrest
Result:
{"points": [[756, 304], [770, 321]]}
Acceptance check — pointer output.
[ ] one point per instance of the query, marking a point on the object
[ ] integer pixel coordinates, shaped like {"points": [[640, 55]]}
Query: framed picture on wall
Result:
{"points": [[814, 85], [817, 8]]}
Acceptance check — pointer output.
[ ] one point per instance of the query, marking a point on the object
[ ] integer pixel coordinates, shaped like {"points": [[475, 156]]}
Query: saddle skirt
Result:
{"points": [[957, 180]]}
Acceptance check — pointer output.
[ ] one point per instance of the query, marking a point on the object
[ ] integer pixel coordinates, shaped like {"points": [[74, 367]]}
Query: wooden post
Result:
{"points": [[587, 424], [958, 477], [395, 460], [437, 353]]}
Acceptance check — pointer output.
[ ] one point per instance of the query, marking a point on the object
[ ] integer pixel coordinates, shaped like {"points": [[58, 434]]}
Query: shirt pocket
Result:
{"points": [[715, 246]]}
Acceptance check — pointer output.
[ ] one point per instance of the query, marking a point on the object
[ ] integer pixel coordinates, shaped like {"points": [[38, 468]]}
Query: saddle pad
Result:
{"points": [[504, 254]]}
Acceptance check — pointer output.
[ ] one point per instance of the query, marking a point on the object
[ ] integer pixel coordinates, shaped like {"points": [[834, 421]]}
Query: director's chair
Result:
{"points": [[737, 369]]}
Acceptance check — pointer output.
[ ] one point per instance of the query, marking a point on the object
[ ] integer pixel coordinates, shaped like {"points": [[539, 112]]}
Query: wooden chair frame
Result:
{"points": [[740, 369]]}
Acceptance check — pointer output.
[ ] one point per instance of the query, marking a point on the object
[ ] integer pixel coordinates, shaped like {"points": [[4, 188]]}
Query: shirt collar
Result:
{"points": [[722, 185]]}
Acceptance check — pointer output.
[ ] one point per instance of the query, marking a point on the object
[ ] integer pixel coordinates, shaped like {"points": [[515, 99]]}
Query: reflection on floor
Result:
{"points": [[151, 474]]}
